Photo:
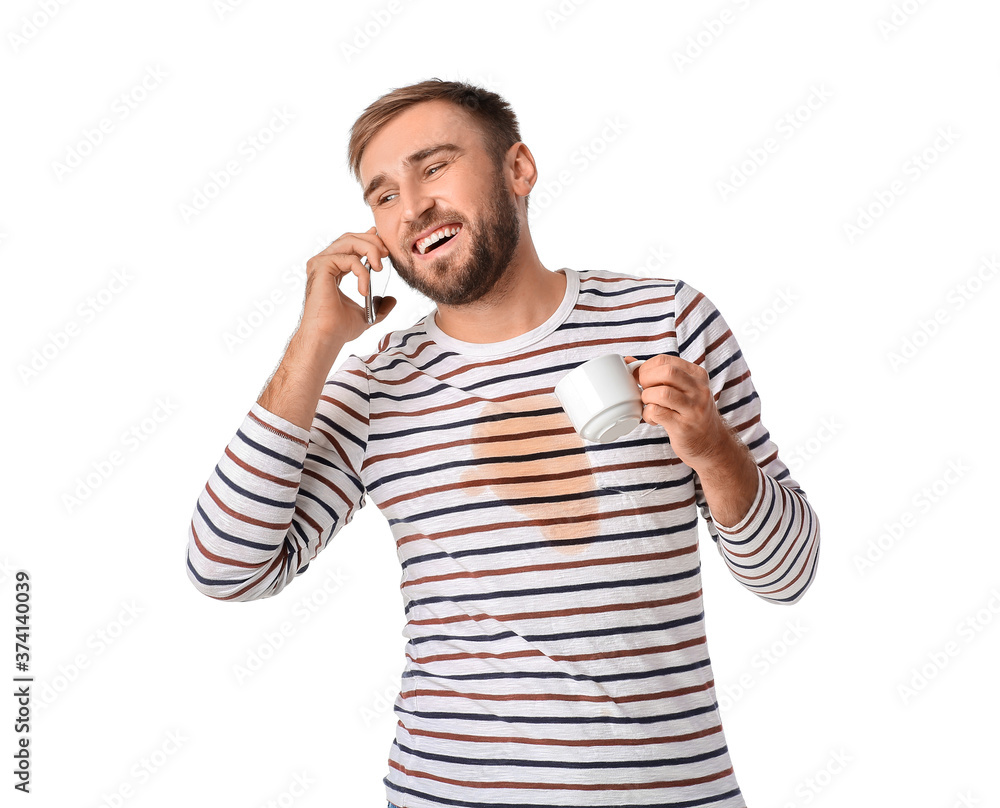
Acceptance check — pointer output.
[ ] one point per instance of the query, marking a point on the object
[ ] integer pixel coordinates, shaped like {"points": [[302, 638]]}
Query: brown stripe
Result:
{"points": [[618, 654], [610, 607], [258, 473], [678, 319], [458, 486], [232, 562], [633, 305], [770, 458], [451, 736], [307, 519], [595, 517], [317, 476], [465, 402], [734, 382], [524, 480], [561, 565], [760, 547], [713, 345], [700, 360], [792, 545], [747, 424], [663, 694], [279, 559], [354, 414], [690, 781], [370, 459], [336, 447], [237, 515], [812, 552], [625, 278]]}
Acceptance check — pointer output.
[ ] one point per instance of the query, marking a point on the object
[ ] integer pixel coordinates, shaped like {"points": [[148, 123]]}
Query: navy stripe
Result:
{"points": [[575, 677], [556, 590], [273, 503], [567, 764], [537, 545], [266, 451], [256, 545], [560, 719], [566, 635]]}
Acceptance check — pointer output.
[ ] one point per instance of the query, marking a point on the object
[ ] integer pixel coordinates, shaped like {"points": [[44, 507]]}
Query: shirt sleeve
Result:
{"points": [[774, 549], [279, 493]]}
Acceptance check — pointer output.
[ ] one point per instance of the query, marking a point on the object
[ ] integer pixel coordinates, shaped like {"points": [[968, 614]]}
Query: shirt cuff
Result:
{"points": [[267, 420]]}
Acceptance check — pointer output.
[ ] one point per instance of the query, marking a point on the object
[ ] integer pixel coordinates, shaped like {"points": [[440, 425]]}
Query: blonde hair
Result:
{"points": [[492, 113]]}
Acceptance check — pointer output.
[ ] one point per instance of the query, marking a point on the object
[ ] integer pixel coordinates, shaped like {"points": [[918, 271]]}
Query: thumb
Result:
{"points": [[384, 306]]}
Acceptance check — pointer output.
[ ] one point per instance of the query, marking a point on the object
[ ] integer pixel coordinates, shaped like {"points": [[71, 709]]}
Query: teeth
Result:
{"points": [[437, 235]]}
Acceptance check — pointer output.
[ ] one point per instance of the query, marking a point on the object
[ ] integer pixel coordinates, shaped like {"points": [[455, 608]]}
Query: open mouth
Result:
{"points": [[437, 241]]}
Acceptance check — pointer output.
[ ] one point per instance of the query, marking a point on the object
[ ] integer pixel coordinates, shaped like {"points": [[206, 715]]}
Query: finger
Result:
{"points": [[665, 397], [381, 244], [669, 371], [364, 275], [340, 265], [367, 244], [375, 261], [655, 414], [383, 305]]}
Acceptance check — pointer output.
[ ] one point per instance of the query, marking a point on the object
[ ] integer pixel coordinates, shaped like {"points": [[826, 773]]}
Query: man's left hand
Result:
{"points": [[676, 395]]}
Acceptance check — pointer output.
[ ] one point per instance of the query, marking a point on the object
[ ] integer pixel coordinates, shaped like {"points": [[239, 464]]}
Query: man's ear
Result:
{"points": [[523, 169]]}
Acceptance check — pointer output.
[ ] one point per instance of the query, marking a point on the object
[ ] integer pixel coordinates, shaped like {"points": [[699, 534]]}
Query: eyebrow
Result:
{"points": [[381, 179]]}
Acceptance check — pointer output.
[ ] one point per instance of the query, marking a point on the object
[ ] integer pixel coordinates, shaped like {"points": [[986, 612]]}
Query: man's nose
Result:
{"points": [[416, 202]]}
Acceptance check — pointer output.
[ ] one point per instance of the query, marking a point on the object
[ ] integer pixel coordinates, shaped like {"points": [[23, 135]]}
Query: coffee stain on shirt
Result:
{"points": [[537, 475]]}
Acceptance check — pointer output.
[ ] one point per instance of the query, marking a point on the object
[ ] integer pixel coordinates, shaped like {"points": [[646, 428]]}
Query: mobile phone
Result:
{"points": [[369, 302]]}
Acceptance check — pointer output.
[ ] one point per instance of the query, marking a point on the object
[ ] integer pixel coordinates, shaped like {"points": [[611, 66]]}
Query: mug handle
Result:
{"points": [[633, 365]]}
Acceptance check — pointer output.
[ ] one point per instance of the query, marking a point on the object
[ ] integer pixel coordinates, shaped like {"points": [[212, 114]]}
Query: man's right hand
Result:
{"points": [[329, 317]]}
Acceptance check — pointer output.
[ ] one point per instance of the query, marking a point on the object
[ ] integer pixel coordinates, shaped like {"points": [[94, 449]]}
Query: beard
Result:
{"points": [[493, 240]]}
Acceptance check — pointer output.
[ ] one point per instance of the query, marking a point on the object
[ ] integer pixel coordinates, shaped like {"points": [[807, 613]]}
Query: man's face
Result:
{"points": [[424, 187]]}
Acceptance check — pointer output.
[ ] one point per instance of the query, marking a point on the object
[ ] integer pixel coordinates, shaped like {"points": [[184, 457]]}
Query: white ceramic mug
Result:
{"points": [[602, 398]]}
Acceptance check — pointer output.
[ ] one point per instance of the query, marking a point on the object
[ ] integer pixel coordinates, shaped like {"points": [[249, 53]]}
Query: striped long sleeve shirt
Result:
{"points": [[555, 631]]}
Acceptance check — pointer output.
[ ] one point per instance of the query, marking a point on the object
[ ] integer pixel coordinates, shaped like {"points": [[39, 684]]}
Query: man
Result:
{"points": [[556, 650]]}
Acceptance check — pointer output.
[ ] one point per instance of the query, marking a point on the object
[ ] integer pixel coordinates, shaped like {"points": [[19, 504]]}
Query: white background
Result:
{"points": [[139, 695]]}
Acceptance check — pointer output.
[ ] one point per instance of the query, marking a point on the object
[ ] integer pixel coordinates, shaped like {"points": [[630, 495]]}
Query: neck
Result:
{"points": [[526, 297]]}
